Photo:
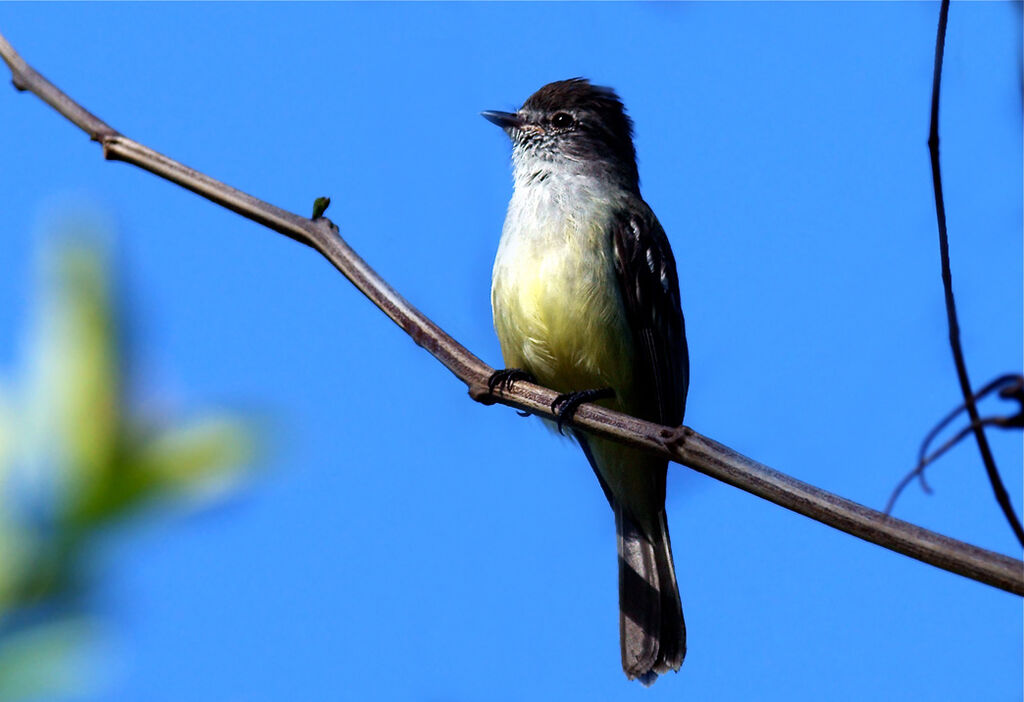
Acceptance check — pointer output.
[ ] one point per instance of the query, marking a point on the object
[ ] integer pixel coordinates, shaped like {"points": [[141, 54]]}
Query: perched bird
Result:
{"points": [[585, 300]]}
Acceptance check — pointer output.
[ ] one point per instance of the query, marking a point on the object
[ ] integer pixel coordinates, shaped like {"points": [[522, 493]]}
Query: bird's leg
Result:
{"points": [[565, 405]]}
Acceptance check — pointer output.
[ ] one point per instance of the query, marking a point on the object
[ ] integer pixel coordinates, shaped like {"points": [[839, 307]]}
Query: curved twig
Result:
{"points": [[918, 471], [1008, 381], [1009, 385], [682, 445]]}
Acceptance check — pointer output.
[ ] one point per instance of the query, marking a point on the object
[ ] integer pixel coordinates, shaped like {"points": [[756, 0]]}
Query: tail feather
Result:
{"points": [[652, 633], [673, 627]]}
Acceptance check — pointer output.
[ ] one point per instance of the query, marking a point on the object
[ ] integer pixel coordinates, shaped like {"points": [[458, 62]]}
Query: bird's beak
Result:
{"points": [[505, 120]]}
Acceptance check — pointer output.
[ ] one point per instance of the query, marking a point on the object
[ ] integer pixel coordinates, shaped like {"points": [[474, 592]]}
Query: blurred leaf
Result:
{"points": [[9, 541], [6, 435], [201, 460], [12, 556], [36, 663], [198, 461], [73, 461], [87, 384]]}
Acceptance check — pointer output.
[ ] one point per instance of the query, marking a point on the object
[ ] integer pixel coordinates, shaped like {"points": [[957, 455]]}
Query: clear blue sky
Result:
{"points": [[404, 543]]}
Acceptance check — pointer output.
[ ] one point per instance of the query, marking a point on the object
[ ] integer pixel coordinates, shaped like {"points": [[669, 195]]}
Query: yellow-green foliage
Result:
{"points": [[74, 460]]}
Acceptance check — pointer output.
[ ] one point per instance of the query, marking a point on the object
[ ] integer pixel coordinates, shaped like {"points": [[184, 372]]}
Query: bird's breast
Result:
{"points": [[555, 298]]}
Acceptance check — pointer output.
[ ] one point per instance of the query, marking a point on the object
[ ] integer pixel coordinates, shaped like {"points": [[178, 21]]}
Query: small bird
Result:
{"points": [[585, 300]]}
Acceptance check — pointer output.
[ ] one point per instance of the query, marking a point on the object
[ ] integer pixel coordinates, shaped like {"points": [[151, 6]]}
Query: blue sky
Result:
{"points": [[404, 543]]}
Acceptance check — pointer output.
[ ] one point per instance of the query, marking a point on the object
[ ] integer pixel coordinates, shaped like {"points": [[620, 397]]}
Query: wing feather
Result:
{"points": [[649, 285]]}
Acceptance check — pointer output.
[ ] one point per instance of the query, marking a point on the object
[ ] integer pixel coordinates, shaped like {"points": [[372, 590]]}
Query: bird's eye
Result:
{"points": [[561, 120]]}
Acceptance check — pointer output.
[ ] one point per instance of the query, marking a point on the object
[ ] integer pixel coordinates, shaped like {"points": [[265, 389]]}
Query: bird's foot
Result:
{"points": [[565, 405], [503, 379]]}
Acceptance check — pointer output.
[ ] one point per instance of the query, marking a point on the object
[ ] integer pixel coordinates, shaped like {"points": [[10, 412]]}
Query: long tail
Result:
{"points": [[652, 633]]}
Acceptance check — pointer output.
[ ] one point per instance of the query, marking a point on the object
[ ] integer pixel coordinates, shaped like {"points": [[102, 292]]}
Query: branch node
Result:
{"points": [[482, 394], [675, 439], [325, 225], [107, 139]]}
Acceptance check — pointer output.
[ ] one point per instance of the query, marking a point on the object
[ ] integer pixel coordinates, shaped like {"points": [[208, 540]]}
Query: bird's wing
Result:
{"points": [[649, 286]]}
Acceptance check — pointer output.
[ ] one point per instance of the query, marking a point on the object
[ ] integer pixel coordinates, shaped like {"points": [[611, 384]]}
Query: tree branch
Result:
{"points": [[947, 284], [681, 445]]}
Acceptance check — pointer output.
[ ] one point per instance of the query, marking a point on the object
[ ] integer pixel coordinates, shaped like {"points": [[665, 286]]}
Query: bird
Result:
{"points": [[585, 300]]}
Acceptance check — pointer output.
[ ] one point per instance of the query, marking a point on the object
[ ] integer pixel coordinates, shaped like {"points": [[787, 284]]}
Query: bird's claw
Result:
{"points": [[503, 379], [566, 404]]}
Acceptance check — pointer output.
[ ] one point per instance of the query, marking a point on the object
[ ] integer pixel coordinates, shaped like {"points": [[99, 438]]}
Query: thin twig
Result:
{"points": [[918, 471], [1007, 385], [1002, 497], [681, 444], [1010, 380]]}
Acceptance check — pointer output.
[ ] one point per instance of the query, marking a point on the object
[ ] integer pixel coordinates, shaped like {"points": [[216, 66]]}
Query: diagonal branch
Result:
{"points": [[1002, 497], [681, 445]]}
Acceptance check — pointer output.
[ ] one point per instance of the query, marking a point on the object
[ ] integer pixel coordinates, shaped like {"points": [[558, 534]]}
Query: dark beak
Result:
{"points": [[505, 120]]}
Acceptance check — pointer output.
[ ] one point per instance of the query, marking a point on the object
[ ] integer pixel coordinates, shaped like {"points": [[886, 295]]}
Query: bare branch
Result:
{"points": [[978, 427], [682, 445], [1010, 386]]}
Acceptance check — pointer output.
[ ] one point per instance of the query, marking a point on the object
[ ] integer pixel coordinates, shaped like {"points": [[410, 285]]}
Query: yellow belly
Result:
{"points": [[561, 318], [558, 314]]}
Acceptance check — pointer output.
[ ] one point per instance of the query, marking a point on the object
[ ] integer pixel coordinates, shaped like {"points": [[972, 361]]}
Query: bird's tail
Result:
{"points": [[652, 633]]}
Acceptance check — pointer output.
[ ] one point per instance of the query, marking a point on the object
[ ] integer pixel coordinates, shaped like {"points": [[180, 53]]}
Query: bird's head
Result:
{"points": [[572, 123]]}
